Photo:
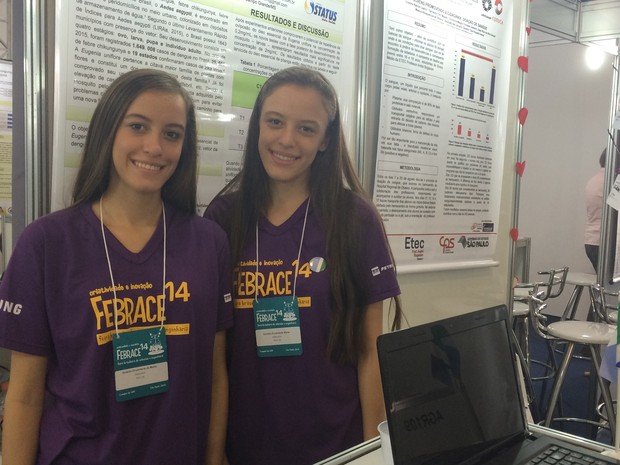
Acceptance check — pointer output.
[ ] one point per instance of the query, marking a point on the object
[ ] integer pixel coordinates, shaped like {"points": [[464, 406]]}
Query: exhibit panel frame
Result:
{"points": [[363, 91]]}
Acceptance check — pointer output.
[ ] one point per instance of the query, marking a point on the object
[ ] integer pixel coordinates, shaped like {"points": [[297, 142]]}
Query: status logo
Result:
{"points": [[316, 9]]}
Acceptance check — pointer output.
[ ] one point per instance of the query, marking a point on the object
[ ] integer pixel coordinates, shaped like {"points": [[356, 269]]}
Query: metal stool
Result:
{"points": [[520, 315], [591, 334], [520, 324], [604, 304], [580, 281], [552, 287]]}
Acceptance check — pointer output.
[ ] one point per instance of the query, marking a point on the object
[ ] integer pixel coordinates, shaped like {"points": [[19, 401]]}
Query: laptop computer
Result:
{"points": [[453, 397]]}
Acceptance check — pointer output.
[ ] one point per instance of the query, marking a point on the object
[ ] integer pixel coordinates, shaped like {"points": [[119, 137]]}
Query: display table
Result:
{"points": [[366, 453], [369, 452]]}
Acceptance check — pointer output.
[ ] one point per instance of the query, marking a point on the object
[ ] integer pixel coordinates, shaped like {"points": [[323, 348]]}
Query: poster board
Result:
{"points": [[220, 50], [426, 296], [6, 137], [440, 151]]}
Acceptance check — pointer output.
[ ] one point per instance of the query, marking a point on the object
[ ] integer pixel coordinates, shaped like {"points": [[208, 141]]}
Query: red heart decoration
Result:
{"points": [[520, 167], [523, 115], [523, 63], [528, 30], [514, 233]]}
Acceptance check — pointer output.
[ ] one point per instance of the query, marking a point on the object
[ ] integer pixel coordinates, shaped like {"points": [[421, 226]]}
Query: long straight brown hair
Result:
{"points": [[333, 188], [93, 175]]}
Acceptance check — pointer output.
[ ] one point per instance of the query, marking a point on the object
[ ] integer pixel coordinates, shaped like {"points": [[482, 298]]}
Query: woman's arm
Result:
{"points": [[368, 376], [23, 408], [219, 403]]}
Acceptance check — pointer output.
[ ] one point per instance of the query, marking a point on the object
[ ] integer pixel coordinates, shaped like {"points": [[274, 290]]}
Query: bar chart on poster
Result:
{"points": [[470, 129], [477, 77]]}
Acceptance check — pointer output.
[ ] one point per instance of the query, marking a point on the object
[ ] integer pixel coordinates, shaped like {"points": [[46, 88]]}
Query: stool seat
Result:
{"points": [[579, 278], [520, 309], [521, 293], [572, 332], [584, 332], [581, 281]]}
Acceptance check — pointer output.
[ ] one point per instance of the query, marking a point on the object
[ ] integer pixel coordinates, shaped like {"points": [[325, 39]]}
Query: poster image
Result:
{"points": [[220, 50], [441, 135]]}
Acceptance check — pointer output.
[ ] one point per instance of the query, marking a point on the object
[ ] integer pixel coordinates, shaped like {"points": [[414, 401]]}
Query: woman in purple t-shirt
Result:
{"points": [[116, 325], [312, 269]]}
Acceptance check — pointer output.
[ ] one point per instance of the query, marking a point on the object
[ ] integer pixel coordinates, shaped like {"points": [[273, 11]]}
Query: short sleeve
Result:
{"points": [[225, 307], [23, 313], [378, 266]]}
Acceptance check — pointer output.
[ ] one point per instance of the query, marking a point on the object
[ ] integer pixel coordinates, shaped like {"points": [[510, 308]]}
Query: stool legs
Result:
{"points": [[557, 383], [559, 380], [521, 330], [573, 303], [550, 369], [604, 387]]}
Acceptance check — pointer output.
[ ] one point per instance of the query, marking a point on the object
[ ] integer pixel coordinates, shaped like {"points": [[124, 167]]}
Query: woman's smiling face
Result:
{"points": [[148, 142], [293, 125]]}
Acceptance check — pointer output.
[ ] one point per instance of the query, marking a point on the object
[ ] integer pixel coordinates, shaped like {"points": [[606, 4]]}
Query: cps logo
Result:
{"points": [[446, 243]]}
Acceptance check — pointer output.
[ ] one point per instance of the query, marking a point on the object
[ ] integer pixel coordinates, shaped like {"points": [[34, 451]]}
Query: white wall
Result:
{"points": [[564, 135]]}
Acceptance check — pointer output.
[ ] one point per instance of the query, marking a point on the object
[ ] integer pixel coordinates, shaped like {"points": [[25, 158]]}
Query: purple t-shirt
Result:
{"points": [[56, 301], [298, 409]]}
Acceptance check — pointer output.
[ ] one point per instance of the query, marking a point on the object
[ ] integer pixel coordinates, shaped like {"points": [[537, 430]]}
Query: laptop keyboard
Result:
{"points": [[555, 455]]}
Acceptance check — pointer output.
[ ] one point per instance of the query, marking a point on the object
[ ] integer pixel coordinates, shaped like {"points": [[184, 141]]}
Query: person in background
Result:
{"points": [[594, 208], [116, 325], [312, 268]]}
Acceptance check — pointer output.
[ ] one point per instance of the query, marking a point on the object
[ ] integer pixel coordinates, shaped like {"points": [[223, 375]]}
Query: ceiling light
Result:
{"points": [[594, 58]]}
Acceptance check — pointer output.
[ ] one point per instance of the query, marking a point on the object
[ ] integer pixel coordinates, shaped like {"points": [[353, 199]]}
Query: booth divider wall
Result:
{"points": [[356, 73]]}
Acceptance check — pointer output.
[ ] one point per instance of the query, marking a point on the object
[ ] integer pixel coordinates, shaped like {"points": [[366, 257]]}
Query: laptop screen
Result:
{"points": [[450, 388]]}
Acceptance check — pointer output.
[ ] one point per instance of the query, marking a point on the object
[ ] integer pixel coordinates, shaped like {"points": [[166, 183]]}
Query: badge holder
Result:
{"points": [[140, 363], [277, 325]]}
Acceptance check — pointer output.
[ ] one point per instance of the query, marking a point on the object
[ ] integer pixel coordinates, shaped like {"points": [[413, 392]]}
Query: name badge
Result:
{"points": [[277, 326], [140, 363]]}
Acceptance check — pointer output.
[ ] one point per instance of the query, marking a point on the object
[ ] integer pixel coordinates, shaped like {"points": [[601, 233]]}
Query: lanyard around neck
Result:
{"points": [[107, 255], [303, 231]]}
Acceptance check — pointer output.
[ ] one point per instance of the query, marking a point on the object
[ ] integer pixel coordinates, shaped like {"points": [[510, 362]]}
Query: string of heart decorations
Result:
{"points": [[522, 62]]}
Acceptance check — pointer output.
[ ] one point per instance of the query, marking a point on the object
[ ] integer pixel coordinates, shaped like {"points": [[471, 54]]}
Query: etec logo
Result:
{"points": [[415, 246], [411, 243], [446, 243]]}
